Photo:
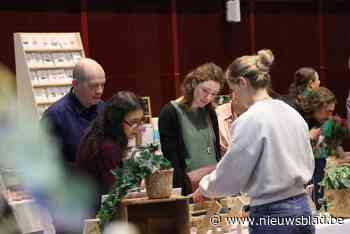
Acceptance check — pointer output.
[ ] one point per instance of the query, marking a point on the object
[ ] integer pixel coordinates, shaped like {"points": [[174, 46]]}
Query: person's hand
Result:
{"points": [[197, 197], [344, 159], [315, 133]]}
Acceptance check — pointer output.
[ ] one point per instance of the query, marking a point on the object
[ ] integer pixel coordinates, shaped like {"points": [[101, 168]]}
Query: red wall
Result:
{"points": [[147, 46]]}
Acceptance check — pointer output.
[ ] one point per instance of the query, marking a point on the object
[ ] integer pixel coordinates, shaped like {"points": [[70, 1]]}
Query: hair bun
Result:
{"points": [[265, 59]]}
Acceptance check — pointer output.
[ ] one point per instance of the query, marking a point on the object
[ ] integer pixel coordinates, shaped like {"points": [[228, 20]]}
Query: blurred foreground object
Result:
{"points": [[8, 223], [121, 228], [36, 171]]}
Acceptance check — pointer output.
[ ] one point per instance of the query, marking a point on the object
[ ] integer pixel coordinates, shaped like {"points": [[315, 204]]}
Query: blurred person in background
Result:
{"points": [[227, 113], [316, 108], [226, 116], [348, 101], [32, 154], [306, 79], [8, 222]]}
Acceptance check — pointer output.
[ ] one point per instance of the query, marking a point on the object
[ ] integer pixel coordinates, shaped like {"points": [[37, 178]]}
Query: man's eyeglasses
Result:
{"points": [[133, 125]]}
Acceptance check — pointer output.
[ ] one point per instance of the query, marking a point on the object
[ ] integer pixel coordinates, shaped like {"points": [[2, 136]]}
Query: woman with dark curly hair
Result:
{"points": [[103, 146], [316, 108]]}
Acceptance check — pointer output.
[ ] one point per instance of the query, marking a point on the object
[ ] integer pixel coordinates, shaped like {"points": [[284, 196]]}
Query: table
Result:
{"points": [[157, 216], [320, 228], [334, 228]]}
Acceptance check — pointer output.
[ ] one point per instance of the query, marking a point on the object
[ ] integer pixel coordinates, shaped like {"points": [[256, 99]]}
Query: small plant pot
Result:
{"points": [[339, 201], [160, 184]]}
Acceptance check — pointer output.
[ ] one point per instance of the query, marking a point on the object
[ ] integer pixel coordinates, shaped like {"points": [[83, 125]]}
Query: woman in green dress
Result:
{"points": [[188, 127]]}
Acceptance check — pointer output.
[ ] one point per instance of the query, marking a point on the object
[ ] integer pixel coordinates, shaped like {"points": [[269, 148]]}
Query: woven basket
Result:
{"points": [[339, 202], [159, 184]]}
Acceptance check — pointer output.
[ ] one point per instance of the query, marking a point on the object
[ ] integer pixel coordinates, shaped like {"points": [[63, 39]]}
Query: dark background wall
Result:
{"points": [[148, 46]]}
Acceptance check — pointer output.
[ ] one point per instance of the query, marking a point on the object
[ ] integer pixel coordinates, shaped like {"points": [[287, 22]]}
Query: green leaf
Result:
{"points": [[337, 177], [142, 162]]}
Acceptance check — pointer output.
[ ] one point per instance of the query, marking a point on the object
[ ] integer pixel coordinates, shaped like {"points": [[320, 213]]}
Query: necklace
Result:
{"points": [[209, 137], [198, 131], [209, 148]]}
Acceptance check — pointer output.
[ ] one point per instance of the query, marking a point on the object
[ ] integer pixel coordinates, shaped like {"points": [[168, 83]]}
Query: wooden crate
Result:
{"points": [[202, 213], [157, 216], [339, 202]]}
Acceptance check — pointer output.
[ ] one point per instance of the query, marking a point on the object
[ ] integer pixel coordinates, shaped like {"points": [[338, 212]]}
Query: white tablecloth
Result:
{"points": [[334, 228], [320, 228]]}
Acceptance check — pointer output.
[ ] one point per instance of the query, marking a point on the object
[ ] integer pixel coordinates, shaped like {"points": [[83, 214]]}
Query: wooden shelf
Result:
{"points": [[40, 57], [43, 103], [146, 200], [50, 67], [53, 50], [52, 85]]}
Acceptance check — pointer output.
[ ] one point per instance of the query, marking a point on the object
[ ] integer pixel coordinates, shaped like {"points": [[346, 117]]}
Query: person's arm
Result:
{"points": [[215, 125], [169, 139], [247, 147], [51, 123]]}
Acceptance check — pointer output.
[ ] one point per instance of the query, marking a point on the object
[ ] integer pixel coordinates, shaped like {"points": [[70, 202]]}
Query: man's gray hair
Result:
{"points": [[84, 68], [79, 73]]}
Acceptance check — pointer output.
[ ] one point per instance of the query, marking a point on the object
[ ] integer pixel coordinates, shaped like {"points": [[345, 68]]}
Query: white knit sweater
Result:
{"points": [[270, 157]]}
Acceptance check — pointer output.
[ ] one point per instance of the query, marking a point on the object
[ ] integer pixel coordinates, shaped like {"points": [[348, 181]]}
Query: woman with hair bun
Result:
{"points": [[270, 157]]}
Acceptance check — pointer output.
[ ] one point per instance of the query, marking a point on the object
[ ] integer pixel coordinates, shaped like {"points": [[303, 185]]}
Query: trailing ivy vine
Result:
{"points": [[337, 177], [143, 161]]}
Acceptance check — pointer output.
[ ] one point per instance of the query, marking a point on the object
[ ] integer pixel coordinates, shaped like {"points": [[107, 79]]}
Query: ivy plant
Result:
{"points": [[143, 161], [337, 177]]}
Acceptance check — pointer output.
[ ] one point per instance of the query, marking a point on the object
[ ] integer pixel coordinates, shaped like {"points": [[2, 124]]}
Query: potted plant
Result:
{"points": [[336, 183], [143, 162]]}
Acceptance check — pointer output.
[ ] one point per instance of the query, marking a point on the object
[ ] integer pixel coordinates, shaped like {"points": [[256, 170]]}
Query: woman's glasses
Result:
{"points": [[207, 92], [133, 125]]}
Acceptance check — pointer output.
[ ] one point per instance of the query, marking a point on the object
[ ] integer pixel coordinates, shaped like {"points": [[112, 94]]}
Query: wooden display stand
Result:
{"points": [[157, 216], [339, 202], [147, 118], [148, 111], [201, 215], [44, 67]]}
